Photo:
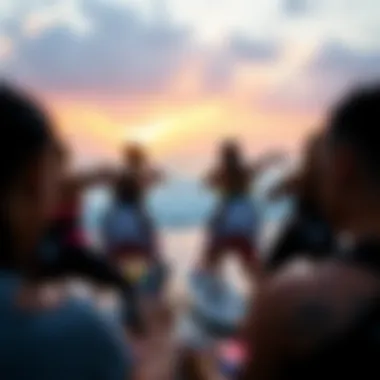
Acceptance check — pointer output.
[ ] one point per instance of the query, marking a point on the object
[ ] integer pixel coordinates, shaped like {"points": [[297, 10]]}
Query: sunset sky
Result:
{"points": [[180, 75]]}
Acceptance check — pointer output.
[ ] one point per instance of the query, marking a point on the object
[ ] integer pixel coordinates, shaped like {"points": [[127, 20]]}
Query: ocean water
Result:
{"points": [[186, 204]]}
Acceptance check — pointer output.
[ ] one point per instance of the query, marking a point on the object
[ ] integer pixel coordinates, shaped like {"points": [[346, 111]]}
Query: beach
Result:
{"points": [[182, 251]]}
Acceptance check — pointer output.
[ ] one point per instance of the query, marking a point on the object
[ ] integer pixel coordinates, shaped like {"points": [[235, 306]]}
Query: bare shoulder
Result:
{"points": [[299, 307], [295, 281], [281, 294], [326, 280], [306, 301]]}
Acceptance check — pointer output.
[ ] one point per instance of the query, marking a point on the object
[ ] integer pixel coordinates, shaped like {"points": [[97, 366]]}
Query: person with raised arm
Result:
{"points": [[129, 234], [234, 224]]}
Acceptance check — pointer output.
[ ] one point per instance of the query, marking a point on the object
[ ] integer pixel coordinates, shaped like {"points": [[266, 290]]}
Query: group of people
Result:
{"points": [[315, 311]]}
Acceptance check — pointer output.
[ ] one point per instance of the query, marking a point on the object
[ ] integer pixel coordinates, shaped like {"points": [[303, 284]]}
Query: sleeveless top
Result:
{"points": [[232, 187]]}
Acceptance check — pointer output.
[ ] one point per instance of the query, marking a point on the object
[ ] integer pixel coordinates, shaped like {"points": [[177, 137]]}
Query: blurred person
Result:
{"points": [[136, 163], [128, 230], [320, 319], [307, 232], [212, 326], [58, 338], [235, 222], [65, 251], [67, 226]]}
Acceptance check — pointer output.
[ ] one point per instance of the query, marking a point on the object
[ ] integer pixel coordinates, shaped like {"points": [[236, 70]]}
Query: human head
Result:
{"points": [[230, 153], [351, 160], [29, 178], [312, 146], [134, 155]]}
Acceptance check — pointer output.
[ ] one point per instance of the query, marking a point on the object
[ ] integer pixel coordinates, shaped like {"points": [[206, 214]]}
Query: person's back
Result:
{"points": [[353, 349], [68, 341], [322, 319], [352, 354], [312, 321], [41, 338]]}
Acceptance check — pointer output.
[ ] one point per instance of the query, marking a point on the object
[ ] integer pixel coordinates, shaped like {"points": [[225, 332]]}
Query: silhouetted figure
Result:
{"points": [[235, 223], [42, 337], [137, 165], [314, 320], [307, 231], [65, 251]]}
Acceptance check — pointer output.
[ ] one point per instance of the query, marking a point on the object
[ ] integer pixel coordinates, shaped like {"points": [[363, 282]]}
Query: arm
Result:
{"points": [[297, 181], [288, 186], [212, 180], [84, 262], [267, 160], [81, 181], [156, 178]]}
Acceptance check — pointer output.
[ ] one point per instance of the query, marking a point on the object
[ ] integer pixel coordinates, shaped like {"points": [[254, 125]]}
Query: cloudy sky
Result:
{"points": [[182, 74]]}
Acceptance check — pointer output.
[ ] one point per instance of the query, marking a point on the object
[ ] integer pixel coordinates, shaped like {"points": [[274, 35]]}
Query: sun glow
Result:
{"points": [[145, 134]]}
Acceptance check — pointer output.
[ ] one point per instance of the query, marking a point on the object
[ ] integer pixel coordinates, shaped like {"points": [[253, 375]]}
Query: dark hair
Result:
{"points": [[26, 130], [230, 154], [232, 164], [62, 152], [134, 152], [355, 121]]}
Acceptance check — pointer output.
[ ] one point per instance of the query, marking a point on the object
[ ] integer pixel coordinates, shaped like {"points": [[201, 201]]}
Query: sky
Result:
{"points": [[181, 75]]}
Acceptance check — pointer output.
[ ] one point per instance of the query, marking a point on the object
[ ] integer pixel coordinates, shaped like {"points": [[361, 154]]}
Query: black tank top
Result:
{"points": [[306, 233], [235, 184], [355, 352]]}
